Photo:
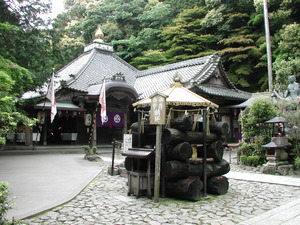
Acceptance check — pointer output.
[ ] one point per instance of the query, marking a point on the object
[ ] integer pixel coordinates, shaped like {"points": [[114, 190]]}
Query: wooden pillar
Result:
{"points": [[139, 130], [44, 130], [125, 123], [28, 136], [204, 153], [157, 163]]}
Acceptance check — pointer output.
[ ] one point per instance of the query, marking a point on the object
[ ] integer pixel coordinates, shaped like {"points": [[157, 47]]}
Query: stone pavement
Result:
{"points": [[42, 181], [105, 201], [251, 199]]}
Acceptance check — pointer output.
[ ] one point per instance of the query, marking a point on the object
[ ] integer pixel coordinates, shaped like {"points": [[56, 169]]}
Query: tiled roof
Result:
{"points": [[59, 106], [194, 72], [224, 92], [96, 62], [156, 79], [90, 68]]}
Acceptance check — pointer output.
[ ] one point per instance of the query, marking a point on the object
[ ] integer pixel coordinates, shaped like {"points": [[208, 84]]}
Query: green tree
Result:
{"points": [[13, 81], [255, 131], [229, 20], [281, 14], [187, 38], [24, 38], [287, 62], [184, 40], [252, 120], [152, 33]]}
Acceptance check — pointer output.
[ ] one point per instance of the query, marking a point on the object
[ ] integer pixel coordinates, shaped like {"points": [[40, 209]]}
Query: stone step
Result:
{"points": [[52, 149]]}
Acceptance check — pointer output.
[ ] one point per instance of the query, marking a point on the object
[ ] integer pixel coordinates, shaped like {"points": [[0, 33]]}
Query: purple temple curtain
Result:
{"points": [[115, 119]]}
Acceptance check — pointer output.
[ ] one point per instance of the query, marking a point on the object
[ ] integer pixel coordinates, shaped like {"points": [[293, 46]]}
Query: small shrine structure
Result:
{"points": [[192, 161]]}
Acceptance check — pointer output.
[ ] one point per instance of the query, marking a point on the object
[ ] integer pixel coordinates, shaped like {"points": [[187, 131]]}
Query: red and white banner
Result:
{"points": [[102, 101], [51, 96]]}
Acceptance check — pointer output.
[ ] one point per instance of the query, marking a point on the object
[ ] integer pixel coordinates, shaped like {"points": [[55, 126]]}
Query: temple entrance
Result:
{"points": [[67, 129], [111, 128], [107, 134]]}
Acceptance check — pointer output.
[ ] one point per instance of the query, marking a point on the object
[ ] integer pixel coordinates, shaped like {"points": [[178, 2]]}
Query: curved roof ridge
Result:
{"points": [[227, 78], [173, 66], [125, 63], [209, 69], [93, 51], [72, 61]]}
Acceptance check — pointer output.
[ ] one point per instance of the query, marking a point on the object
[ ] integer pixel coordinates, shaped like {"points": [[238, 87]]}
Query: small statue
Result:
{"points": [[292, 92]]}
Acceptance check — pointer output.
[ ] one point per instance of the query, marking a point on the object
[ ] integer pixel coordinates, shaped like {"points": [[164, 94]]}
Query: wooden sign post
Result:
{"points": [[127, 142], [158, 117]]}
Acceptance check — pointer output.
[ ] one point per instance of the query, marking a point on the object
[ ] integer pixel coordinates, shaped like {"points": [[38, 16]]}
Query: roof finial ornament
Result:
{"points": [[177, 82], [99, 34], [177, 79]]}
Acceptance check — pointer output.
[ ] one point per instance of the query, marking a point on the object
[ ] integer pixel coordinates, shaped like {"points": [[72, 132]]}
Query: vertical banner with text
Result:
{"points": [[127, 142], [158, 109]]}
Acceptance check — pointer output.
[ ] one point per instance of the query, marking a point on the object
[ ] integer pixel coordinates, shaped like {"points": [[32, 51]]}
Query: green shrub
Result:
{"points": [[253, 120], [297, 163], [246, 149], [87, 150], [94, 149], [244, 160], [5, 203], [252, 160], [90, 150]]}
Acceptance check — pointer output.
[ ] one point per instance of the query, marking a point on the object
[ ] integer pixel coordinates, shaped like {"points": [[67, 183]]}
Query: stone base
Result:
{"points": [[268, 169], [278, 169], [286, 170], [115, 171], [92, 158]]}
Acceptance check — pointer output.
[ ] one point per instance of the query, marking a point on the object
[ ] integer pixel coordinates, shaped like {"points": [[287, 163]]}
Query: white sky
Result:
{"points": [[57, 7]]}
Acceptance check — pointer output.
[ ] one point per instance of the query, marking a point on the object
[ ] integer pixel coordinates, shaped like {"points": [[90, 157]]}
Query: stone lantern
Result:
{"points": [[275, 150]]}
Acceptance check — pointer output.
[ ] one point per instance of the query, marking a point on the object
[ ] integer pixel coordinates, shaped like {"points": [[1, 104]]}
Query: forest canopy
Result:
{"points": [[145, 33], [149, 33]]}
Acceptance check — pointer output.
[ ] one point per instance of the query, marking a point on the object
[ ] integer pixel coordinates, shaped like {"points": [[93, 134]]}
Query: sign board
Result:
{"points": [[127, 142], [158, 109]]}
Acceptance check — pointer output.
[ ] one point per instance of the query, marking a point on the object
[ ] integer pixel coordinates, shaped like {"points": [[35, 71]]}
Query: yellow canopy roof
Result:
{"points": [[179, 96]]}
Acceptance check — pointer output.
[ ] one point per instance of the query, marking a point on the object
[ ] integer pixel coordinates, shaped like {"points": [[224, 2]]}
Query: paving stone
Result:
{"points": [[105, 201]]}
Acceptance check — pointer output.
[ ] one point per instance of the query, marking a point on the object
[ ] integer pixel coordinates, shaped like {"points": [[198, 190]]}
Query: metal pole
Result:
{"points": [[113, 157], [204, 154], [268, 45]]}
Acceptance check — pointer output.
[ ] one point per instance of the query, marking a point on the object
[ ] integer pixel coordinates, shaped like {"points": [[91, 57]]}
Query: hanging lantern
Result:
{"points": [[59, 113], [41, 117], [88, 119]]}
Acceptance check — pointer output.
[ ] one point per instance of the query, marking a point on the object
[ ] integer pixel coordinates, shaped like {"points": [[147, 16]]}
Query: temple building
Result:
{"points": [[78, 84]]}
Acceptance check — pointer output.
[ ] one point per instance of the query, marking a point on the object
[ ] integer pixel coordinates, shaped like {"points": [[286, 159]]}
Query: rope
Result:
{"points": [[195, 120], [168, 123]]}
